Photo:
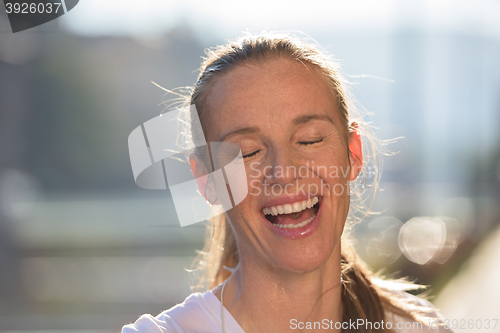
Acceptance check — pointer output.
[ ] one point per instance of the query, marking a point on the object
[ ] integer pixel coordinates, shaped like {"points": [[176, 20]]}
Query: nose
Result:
{"points": [[282, 169]]}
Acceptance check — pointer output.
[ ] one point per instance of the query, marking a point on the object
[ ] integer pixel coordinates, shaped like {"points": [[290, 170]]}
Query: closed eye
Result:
{"points": [[306, 143], [251, 154]]}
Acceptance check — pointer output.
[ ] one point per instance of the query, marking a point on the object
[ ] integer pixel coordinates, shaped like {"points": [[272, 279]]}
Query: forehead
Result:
{"points": [[270, 92]]}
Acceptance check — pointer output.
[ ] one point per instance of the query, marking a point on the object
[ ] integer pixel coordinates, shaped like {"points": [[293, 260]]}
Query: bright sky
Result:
{"points": [[223, 18]]}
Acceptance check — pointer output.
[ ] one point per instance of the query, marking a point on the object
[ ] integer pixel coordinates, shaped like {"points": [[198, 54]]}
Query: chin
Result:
{"points": [[305, 257]]}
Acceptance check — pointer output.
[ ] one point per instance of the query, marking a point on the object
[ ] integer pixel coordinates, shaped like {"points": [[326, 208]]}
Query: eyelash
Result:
{"points": [[251, 154], [306, 143]]}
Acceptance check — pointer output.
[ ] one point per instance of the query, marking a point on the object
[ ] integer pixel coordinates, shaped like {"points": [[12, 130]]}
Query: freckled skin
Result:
{"points": [[279, 278]]}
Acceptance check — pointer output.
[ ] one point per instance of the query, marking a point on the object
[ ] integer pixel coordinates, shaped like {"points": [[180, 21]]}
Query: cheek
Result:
{"points": [[246, 230], [244, 214], [331, 168], [334, 172], [256, 177]]}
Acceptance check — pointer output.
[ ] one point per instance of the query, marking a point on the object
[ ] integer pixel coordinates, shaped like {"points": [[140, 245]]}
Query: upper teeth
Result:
{"points": [[290, 208]]}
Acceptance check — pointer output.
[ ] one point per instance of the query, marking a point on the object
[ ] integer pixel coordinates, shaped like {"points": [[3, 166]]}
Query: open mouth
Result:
{"points": [[293, 215]]}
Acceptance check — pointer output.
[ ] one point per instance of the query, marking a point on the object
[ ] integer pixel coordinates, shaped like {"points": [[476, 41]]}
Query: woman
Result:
{"points": [[278, 261]]}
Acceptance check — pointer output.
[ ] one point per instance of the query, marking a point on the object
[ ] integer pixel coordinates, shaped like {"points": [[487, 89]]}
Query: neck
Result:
{"points": [[264, 299]]}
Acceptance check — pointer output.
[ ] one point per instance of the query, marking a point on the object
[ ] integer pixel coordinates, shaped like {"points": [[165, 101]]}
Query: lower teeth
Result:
{"points": [[294, 226]]}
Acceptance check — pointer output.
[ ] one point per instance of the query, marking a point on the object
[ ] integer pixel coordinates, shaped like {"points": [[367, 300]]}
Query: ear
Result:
{"points": [[202, 176], [356, 152]]}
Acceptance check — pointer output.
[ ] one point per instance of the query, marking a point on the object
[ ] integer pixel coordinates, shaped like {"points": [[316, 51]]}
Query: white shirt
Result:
{"points": [[201, 313]]}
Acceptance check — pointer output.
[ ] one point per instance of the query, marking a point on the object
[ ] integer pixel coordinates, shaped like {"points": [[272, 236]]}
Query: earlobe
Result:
{"points": [[356, 152], [200, 173]]}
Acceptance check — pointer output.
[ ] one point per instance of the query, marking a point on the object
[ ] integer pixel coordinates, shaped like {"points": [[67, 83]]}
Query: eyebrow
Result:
{"points": [[297, 121], [240, 131], [307, 118]]}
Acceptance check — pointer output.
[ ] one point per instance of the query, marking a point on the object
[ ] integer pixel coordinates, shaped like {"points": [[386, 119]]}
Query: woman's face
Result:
{"points": [[286, 121]]}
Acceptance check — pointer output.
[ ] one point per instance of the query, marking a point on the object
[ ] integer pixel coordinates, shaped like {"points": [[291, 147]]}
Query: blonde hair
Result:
{"points": [[362, 296]]}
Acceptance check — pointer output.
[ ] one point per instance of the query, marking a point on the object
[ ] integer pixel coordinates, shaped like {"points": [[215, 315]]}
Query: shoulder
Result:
{"points": [[149, 324], [180, 317], [430, 319]]}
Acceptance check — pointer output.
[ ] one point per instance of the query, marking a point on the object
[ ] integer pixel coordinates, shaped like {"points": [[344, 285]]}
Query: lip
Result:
{"points": [[294, 233]]}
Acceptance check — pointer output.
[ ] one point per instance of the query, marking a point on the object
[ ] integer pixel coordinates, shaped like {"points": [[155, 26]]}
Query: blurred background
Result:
{"points": [[83, 249]]}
